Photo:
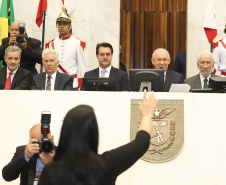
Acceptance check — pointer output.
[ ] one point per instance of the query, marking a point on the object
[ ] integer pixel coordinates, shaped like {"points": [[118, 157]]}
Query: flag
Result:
{"points": [[210, 23], [6, 19], [41, 8]]}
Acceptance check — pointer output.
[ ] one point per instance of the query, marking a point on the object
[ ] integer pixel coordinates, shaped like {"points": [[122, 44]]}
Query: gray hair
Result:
{"points": [[50, 50], [13, 48], [205, 52], [159, 49]]}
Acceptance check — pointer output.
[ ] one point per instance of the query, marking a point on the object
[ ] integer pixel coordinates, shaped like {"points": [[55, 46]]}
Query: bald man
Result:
{"points": [[27, 161], [30, 48], [161, 59]]}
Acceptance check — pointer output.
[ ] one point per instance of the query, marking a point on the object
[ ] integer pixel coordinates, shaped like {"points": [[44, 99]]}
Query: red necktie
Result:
{"points": [[8, 82]]}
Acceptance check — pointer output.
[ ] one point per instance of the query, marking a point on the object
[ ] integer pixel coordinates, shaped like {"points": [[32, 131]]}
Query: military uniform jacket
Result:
{"points": [[71, 57], [220, 57]]}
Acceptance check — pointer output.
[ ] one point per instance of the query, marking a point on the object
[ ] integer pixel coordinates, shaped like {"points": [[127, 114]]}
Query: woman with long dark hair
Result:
{"points": [[76, 160]]}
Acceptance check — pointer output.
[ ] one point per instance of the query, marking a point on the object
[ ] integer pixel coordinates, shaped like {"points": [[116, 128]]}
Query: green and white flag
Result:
{"points": [[6, 19]]}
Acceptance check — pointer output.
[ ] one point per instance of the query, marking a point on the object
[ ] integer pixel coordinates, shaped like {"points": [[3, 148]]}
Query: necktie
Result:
{"points": [[8, 82], [48, 85], [205, 85], [103, 73]]}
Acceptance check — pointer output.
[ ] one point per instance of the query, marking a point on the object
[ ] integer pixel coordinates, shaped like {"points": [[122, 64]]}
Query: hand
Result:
{"points": [[23, 46], [12, 40], [32, 148], [47, 158], [148, 106]]}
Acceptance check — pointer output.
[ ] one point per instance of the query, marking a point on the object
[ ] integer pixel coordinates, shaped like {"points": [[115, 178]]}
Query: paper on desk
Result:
{"points": [[180, 88]]}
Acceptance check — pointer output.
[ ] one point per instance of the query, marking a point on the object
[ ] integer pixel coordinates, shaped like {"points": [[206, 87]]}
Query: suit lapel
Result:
{"points": [[96, 72], [112, 72], [43, 81], [3, 77], [198, 84], [57, 81], [16, 77]]}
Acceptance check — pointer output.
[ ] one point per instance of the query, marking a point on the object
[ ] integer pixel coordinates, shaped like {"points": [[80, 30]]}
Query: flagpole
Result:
{"points": [[211, 47], [43, 34]]}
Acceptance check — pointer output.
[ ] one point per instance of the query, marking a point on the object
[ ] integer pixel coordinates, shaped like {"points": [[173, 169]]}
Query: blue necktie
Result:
{"points": [[205, 85], [103, 73]]}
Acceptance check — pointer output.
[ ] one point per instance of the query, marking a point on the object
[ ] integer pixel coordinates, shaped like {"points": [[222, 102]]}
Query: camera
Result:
{"points": [[46, 144], [20, 38]]}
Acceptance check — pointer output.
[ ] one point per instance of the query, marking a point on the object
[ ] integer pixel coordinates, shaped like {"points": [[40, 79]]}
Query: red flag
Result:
{"points": [[41, 8], [210, 24]]}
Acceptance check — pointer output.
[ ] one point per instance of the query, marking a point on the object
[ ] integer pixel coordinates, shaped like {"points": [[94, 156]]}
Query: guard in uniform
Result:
{"points": [[220, 55], [70, 49]]}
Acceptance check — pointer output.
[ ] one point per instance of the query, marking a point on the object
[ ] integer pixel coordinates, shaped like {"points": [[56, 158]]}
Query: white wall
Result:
{"points": [[92, 21]]}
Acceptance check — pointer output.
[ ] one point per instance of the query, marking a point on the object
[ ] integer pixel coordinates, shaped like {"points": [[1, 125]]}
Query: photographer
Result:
{"points": [[27, 161], [31, 52]]}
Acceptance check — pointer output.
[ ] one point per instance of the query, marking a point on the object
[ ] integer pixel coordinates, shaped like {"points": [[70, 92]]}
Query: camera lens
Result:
{"points": [[46, 146], [20, 39]]}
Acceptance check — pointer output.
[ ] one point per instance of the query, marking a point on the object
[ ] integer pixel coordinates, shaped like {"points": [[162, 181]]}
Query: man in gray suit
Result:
{"points": [[51, 79], [205, 62]]}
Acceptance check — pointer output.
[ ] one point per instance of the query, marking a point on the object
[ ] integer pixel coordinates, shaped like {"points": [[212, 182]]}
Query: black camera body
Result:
{"points": [[46, 144], [20, 38]]}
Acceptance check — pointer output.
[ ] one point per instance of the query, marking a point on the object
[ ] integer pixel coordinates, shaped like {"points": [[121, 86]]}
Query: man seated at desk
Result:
{"points": [[51, 79], [205, 63], [13, 77], [161, 60], [104, 53]]}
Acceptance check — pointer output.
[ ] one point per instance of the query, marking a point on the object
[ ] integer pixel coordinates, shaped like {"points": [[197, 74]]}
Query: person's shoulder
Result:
{"points": [[174, 73], [92, 71], [192, 78], [20, 148], [34, 41], [81, 42], [24, 71], [5, 40], [62, 75]]}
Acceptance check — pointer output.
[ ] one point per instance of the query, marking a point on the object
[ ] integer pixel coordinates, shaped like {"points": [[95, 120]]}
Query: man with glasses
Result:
{"points": [[161, 60], [104, 54], [51, 79], [205, 63]]}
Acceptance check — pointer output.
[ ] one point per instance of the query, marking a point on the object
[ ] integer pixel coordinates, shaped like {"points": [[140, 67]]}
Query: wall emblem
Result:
{"points": [[167, 136]]}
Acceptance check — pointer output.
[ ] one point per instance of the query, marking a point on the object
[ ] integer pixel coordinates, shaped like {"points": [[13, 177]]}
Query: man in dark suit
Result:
{"points": [[27, 161], [161, 60], [104, 53], [51, 79], [31, 50], [13, 77], [205, 63]]}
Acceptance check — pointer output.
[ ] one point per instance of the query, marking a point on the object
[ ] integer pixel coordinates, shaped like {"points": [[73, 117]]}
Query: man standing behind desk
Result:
{"points": [[31, 52], [205, 63], [70, 49], [51, 79], [13, 77], [104, 53], [161, 59]]}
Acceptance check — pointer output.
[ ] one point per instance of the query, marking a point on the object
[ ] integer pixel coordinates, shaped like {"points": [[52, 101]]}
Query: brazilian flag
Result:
{"points": [[6, 19]]}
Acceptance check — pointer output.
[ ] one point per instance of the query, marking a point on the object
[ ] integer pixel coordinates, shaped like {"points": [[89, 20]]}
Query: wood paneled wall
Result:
{"points": [[146, 25]]}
